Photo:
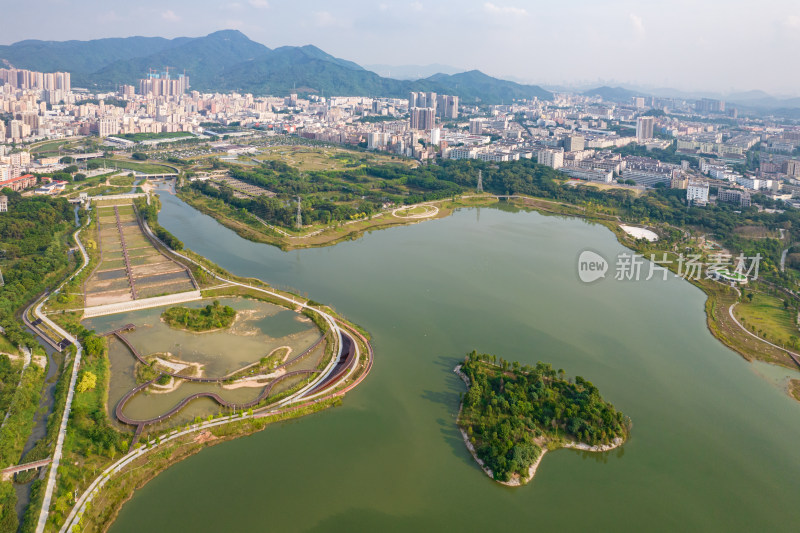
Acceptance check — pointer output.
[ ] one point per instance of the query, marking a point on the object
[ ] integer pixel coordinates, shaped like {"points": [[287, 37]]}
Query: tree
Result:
{"points": [[139, 156], [750, 296], [88, 382], [66, 160]]}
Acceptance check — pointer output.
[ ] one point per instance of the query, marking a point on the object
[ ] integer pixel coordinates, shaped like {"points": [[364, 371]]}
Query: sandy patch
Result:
{"points": [[639, 233], [254, 381]]}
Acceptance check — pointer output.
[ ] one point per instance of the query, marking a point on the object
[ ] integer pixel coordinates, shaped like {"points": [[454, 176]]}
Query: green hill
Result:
{"points": [[229, 61]]}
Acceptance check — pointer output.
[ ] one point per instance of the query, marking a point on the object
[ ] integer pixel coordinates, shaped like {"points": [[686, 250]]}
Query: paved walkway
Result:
{"points": [[62, 430], [794, 356], [146, 303]]}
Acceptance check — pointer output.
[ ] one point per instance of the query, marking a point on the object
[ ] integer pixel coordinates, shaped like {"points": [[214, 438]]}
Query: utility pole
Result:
{"points": [[480, 181], [299, 222]]}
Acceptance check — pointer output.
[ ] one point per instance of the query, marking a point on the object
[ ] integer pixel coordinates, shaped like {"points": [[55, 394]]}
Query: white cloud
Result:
{"points": [[259, 4], [504, 10], [792, 22], [416, 6], [170, 16], [324, 19], [108, 16], [638, 24]]}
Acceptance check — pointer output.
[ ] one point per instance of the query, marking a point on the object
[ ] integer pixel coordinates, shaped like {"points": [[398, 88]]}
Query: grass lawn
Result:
{"points": [[767, 316], [147, 168], [122, 180], [310, 158], [7, 347]]}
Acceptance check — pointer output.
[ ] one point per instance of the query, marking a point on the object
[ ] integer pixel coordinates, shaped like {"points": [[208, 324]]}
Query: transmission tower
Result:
{"points": [[480, 181], [299, 222]]}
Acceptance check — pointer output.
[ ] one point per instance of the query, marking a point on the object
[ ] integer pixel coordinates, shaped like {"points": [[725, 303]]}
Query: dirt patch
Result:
{"points": [[205, 436]]}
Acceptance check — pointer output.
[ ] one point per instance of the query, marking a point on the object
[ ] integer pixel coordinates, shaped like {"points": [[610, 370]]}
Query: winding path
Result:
{"points": [[794, 356]]}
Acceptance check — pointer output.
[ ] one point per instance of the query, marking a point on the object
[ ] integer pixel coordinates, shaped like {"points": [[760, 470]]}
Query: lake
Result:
{"points": [[715, 442]]}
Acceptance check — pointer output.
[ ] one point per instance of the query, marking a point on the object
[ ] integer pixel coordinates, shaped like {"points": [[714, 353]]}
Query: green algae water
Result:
{"points": [[715, 443]]}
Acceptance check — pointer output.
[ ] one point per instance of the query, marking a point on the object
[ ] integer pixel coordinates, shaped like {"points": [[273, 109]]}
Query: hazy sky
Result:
{"points": [[721, 45]]}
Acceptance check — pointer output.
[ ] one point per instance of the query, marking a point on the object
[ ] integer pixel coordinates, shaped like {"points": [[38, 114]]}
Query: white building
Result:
{"points": [[697, 193], [551, 158], [589, 174]]}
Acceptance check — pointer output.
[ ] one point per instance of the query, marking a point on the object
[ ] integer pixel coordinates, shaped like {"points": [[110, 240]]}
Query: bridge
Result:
{"points": [[155, 176], [9, 472], [35, 325]]}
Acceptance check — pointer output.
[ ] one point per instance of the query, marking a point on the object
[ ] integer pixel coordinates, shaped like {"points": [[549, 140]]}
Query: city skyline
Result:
{"points": [[688, 47]]}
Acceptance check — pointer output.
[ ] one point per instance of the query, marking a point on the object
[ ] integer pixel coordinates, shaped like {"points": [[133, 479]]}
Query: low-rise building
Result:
{"points": [[734, 196], [19, 183]]}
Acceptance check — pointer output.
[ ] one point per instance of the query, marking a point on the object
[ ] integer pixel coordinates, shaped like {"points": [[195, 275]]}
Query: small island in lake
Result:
{"points": [[512, 414], [208, 318]]}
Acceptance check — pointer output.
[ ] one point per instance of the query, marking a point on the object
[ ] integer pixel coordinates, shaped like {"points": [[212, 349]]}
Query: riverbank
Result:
{"points": [[250, 228]]}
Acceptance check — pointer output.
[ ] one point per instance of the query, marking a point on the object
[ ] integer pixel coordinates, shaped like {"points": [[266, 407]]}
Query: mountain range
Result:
{"points": [[750, 101], [229, 61]]}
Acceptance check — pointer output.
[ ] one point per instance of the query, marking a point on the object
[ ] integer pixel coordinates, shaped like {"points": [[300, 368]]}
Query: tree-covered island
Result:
{"points": [[512, 414], [211, 317]]}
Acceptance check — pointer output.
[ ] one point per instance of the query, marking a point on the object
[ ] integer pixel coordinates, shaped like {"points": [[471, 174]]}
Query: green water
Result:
{"points": [[715, 444]]}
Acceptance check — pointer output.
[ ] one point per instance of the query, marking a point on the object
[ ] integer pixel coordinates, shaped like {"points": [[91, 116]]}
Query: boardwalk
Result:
{"points": [[140, 424], [128, 268]]}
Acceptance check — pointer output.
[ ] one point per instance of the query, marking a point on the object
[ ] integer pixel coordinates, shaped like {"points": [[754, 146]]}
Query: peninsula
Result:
{"points": [[512, 414]]}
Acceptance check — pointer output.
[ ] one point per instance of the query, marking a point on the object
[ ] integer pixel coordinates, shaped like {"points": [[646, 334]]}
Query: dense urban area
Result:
{"points": [[673, 178]]}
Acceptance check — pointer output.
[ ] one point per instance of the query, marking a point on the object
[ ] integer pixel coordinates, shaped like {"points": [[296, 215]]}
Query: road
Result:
{"points": [[62, 430]]}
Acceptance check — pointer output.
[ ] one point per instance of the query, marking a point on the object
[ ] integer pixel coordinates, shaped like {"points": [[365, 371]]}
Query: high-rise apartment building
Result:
{"points": [[423, 118], [447, 106], [161, 84], [709, 105], [574, 143], [644, 128]]}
